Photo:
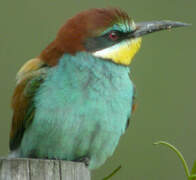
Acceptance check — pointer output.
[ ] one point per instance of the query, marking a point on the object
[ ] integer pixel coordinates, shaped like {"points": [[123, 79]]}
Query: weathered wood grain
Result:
{"points": [[39, 169]]}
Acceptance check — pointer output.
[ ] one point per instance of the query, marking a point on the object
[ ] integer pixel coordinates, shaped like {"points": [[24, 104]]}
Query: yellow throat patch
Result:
{"points": [[121, 53]]}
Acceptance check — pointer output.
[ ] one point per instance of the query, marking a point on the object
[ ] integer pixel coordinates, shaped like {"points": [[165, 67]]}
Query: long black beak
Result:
{"points": [[143, 28]]}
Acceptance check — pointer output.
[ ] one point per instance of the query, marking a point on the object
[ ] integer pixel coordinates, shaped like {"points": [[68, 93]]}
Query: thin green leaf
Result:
{"points": [[113, 173], [178, 154], [194, 168], [193, 171]]}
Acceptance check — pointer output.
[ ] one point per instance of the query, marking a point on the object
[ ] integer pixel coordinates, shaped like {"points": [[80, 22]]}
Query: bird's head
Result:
{"points": [[106, 33]]}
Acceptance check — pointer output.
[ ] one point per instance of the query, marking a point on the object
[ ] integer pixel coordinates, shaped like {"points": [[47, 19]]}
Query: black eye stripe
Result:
{"points": [[93, 44], [120, 34]]}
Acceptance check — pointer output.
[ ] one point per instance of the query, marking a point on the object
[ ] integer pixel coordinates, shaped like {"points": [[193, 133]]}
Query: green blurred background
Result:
{"points": [[164, 73]]}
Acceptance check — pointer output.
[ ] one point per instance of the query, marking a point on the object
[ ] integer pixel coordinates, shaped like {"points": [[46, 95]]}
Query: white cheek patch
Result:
{"points": [[107, 51], [121, 53]]}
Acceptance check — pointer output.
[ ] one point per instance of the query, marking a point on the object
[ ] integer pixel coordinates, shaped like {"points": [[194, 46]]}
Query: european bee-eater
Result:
{"points": [[74, 100]]}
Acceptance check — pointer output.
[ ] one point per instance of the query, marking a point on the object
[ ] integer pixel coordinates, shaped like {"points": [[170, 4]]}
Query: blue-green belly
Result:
{"points": [[81, 110]]}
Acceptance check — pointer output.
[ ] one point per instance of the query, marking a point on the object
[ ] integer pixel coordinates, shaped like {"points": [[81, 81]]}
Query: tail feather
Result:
{"points": [[14, 154]]}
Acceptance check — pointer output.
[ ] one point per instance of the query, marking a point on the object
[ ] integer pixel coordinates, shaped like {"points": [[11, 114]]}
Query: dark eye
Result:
{"points": [[113, 36]]}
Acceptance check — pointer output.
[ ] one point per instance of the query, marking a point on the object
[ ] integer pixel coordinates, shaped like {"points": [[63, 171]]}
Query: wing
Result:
{"points": [[134, 106], [29, 79]]}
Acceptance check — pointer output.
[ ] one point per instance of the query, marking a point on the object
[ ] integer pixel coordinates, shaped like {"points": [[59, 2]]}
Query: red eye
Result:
{"points": [[113, 36]]}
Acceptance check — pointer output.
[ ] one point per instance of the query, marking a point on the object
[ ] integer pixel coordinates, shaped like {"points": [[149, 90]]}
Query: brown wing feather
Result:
{"points": [[29, 79], [134, 107]]}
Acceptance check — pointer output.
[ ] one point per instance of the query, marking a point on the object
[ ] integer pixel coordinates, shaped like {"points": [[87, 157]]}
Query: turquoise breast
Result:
{"points": [[82, 109]]}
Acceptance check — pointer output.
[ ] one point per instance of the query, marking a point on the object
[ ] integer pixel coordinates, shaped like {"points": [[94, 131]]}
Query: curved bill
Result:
{"points": [[143, 28]]}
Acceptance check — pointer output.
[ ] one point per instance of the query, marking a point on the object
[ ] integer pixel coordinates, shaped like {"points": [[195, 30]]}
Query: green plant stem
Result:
{"points": [[114, 172], [178, 154], [193, 176]]}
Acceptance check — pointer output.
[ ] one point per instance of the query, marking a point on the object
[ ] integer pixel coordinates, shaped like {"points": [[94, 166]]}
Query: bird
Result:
{"points": [[75, 99]]}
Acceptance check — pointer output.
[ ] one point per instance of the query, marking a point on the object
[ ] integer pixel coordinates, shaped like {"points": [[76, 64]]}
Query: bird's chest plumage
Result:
{"points": [[81, 110]]}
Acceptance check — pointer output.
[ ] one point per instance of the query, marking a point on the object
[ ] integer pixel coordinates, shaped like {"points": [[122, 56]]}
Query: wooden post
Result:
{"points": [[40, 169]]}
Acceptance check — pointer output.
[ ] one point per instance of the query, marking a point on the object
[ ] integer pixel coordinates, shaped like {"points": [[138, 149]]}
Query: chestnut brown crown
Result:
{"points": [[72, 35]]}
